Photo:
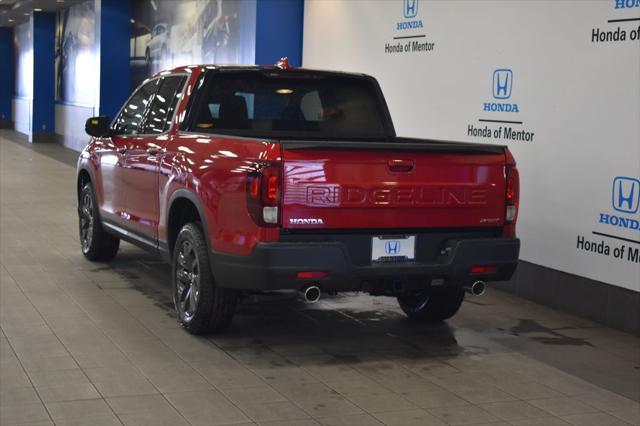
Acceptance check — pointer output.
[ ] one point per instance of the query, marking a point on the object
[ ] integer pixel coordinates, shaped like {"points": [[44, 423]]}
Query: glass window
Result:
{"points": [[130, 119], [290, 105], [164, 104]]}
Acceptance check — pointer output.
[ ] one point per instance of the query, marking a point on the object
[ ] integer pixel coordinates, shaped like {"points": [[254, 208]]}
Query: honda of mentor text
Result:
{"points": [[255, 179]]}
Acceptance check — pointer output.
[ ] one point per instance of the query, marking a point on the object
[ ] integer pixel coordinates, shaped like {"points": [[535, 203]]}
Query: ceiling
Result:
{"points": [[14, 12]]}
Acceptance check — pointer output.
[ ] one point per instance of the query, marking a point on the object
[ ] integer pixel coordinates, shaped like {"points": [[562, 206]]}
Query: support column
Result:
{"points": [[43, 103], [279, 25], [113, 20], [7, 79]]}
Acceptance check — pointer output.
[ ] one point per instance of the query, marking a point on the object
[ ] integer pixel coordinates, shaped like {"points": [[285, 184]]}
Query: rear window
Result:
{"points": [[289, 105]]}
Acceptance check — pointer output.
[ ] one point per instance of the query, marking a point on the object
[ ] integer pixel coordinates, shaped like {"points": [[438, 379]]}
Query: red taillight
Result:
{"points": [[512, 196], [263, 194], [272, 188], [511, 190]]}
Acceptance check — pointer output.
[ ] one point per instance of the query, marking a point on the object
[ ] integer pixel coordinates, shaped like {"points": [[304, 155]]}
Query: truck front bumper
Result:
{"points": [[274, 266]]}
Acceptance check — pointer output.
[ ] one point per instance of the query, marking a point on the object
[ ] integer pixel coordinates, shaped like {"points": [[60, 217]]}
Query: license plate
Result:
{"points": [[393, 248]]}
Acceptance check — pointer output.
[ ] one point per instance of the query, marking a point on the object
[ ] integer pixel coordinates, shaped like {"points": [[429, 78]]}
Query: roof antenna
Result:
{"points": [[283, 63]]}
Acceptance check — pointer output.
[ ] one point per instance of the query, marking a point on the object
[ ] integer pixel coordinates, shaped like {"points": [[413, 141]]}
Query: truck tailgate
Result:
{"points": [[329, 188]]}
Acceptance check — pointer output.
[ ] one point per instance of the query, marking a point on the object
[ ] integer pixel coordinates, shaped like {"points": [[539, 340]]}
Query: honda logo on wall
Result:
{"points": [[625, 196], [501, 89], [410, 8], [502, 83]]}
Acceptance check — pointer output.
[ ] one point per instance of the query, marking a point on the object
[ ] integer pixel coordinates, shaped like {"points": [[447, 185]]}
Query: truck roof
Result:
{"points": [[183, 69]]}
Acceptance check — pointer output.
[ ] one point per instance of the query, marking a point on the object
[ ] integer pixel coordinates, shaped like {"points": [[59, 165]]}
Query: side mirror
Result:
{"points": [[99, 127]]}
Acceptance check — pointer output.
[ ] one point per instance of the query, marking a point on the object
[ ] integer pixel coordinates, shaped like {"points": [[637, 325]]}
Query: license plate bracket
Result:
{"points": [[393, 248]]}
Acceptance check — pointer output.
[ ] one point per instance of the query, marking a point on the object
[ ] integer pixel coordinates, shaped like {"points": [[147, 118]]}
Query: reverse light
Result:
{"points": [[270, 215]]}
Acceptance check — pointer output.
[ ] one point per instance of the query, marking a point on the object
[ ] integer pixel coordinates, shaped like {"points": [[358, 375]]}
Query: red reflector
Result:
{"points": [[272, 188], [311, 275], [483, 269]]}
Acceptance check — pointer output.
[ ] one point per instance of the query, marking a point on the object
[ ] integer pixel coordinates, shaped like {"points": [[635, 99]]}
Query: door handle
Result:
{"points": [[154, 151]]}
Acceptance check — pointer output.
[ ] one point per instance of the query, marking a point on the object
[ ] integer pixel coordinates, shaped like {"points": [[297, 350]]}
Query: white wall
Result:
{"points": [[22, 101], [70, 121], [22, 115], [579, 98]]}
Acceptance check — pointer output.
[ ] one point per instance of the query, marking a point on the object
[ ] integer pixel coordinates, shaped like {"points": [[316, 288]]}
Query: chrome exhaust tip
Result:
{"points": [[311, 294], [477, 289]]}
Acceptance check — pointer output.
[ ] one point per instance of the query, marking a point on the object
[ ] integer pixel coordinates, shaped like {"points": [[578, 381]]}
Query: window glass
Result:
{"points": [[131, 116], [164, 104], [288, 105]]}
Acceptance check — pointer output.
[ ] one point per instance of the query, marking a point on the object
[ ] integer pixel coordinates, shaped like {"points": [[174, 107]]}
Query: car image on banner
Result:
{"points": [[169, 33]]}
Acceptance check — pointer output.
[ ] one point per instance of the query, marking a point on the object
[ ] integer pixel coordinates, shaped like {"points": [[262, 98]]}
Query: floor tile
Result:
{"points": [[146, 410], [206, 408], [513, 410], [594, 419], [562, 406], [463, 415], [360, 420], [119, 381], [18, 414], [377, 403], [94, 412], [272, 411], [409, 418]]}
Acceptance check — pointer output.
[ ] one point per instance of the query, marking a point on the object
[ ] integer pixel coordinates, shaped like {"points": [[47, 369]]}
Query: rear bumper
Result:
{"points": [[274, 266]]}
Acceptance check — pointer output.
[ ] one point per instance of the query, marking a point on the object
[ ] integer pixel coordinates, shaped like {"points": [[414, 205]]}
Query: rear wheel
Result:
{"points": [[432, 306], [96, 243], [200, 305]]}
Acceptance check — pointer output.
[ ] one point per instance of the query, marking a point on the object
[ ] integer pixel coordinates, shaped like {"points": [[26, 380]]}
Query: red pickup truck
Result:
{"points": [[251, 179]]}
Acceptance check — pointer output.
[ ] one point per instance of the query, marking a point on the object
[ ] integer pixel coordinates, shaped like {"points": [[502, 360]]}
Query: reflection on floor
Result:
{"points": [[93, 344]]}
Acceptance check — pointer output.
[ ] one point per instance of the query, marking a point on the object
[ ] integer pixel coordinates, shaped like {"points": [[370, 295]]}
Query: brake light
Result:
{"points": [[263, 194], [272, 188], [512, 196]]}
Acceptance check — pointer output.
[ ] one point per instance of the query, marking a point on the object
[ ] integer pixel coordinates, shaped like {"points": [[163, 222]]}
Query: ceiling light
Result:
{"points": [[284, 91], [37, 9]]}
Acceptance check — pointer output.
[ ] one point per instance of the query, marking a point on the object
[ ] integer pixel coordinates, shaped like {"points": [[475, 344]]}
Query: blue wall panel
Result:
{"points": [[279, 25], [6, 73], [115, 73], [44, 43]]}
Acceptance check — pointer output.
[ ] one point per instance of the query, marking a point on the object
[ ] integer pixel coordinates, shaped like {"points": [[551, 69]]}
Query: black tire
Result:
{"points": [[201, 307], [434, 306], [96, 243]]}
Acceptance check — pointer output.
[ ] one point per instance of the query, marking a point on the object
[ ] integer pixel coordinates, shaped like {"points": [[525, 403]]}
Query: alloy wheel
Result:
{"points": [[187, 289], [86, 222]]}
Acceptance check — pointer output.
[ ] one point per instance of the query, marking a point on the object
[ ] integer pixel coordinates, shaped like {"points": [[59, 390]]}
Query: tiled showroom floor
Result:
{"points": [[91, 344]]}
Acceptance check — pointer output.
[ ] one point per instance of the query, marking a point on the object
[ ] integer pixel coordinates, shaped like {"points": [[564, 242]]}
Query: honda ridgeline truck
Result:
{"points": [[254, 179]]}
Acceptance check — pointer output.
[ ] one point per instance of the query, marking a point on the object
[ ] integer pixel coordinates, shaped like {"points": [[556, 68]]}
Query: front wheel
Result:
{"points": [[201, 306], [95, 242], [438, 305]]}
